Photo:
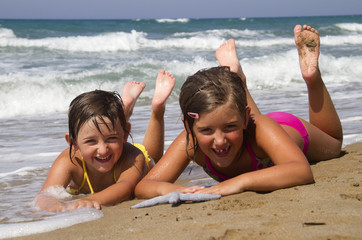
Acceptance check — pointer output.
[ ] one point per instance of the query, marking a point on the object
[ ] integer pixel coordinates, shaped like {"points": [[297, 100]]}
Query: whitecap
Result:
{"points": [[171, 20], [6, 33], [352, 27]]}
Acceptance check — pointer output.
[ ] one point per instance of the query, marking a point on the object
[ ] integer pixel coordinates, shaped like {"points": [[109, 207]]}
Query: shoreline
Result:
{"points": [[330, 208]]}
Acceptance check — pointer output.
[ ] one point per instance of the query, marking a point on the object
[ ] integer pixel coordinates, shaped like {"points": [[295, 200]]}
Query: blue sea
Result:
{"points": [[44, 64]]}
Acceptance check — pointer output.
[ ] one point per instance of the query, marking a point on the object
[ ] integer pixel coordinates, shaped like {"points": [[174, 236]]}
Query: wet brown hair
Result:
{"points": [[208, 89], [95, 105]]}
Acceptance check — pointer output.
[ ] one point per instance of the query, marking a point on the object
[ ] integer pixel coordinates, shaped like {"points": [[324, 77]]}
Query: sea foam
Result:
{"points": [[136, 40], [60, 220]]}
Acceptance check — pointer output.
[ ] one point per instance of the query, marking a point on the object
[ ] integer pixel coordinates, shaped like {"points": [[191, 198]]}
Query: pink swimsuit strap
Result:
{"points": [[220, 176], [252, 155]]}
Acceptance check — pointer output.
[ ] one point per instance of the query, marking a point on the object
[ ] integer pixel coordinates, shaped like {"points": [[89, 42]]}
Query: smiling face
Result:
{"points": [[101, 149], [204, 93], [220, 134]]}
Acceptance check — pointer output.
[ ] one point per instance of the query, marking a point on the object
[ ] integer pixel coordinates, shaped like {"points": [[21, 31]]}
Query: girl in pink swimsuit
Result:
{"points": [[243, 149]]}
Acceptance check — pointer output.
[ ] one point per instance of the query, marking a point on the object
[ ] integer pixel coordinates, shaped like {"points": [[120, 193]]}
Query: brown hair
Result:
{"points": [[208, 89]]}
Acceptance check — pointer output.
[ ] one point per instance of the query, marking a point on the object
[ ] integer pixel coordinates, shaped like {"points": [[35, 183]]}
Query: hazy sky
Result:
{"points": [[133, 9]]}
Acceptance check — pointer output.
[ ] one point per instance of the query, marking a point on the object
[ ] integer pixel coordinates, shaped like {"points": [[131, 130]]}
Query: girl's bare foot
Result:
{"points": [[165, 82], [308, 43], [227, 56], [131, 92]]}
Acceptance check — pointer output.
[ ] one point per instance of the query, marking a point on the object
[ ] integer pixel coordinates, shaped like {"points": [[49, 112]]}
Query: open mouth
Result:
{"points": [[221, 152], [103, 160]]}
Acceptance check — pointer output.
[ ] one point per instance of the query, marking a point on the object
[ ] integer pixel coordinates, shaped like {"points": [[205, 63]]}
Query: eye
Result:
{"points": [[206, 131], [90, 141], [231, 127], [113, 139]]}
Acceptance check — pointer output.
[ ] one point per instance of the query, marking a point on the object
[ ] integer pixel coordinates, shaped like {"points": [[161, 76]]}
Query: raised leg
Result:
{"points": [[154, 137], [325, 130], [227, 56]]}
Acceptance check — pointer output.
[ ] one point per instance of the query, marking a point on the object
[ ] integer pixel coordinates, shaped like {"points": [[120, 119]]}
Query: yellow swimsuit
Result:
{"points": [[75, 191]]}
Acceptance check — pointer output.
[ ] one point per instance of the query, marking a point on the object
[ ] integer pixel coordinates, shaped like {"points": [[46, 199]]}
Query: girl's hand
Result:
{"points": [[82, 203], [192, 189], [224, 189], [50, 203], [180, 188]]}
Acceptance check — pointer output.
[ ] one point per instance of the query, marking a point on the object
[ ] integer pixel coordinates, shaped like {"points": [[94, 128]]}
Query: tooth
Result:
{"points": [[103, 158]]}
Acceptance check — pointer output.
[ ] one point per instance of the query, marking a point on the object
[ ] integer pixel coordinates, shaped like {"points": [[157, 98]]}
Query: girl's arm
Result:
{"points": [[290, 168], [123, 189], [60, 174], [159, 181]]}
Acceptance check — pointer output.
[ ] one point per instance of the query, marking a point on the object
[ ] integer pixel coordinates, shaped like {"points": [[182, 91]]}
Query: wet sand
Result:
{"points": [[330, 208]]}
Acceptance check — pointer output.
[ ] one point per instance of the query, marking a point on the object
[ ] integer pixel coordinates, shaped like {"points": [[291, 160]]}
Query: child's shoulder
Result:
{"points": [[131, 157], [133, 151], [262, 126], [65, 161], [266, 130], [256, 122], [262, 132], [262, 121]]}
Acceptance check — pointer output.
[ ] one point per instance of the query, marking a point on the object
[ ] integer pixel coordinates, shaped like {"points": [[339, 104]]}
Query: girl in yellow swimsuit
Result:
{"points": [[99, 153]]}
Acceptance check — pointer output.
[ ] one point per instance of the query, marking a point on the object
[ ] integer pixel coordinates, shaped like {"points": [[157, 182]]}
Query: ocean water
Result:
{"points": [[44, 64]]}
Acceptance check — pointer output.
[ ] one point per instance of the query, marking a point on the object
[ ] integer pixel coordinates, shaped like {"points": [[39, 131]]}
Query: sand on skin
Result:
{"points": [[330, 208]]}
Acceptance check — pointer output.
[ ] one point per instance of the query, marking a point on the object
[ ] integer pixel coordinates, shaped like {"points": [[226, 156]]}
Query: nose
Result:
{"points": [[102, 148], [219, 139]]}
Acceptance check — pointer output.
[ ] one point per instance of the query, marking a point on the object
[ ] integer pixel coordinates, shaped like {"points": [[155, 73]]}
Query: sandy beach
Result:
{"points": [[330, 208]]}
